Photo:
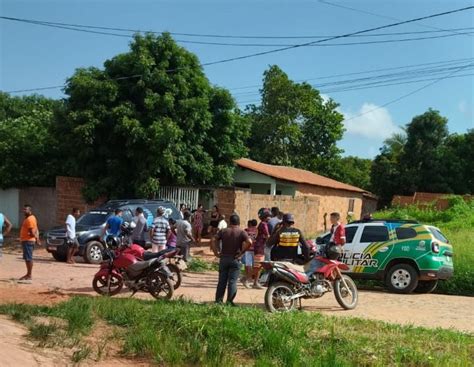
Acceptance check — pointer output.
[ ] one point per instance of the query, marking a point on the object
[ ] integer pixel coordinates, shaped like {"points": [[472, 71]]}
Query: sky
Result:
{"points": [[33, 56]]}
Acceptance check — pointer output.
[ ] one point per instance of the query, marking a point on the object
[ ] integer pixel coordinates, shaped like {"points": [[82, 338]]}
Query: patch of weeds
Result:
{"points": [[44, 333], [198, 265], [81, 354]]}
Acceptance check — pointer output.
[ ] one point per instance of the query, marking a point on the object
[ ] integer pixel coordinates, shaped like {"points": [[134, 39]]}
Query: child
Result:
{"points": [[248, 256], [263, 234], [171, 242]]}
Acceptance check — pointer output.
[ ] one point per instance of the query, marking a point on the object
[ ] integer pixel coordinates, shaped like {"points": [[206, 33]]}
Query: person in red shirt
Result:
{"points": [[338, 232], [338, 238], [263, 233], [248, 258]]}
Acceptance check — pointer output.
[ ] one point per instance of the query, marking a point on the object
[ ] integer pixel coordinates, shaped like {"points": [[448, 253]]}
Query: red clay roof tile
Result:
{"points": [[295, 175]]}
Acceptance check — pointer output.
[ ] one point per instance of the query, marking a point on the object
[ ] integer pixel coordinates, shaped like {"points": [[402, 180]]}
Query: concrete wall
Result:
{"points": [[43, 202], [332, 200], [246, 204], [69, 195], [10, 205]]}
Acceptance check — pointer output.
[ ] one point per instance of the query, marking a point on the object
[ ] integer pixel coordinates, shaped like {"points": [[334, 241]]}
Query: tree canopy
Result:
{"points": [[150, 117], [28, 147], [294, 126]]}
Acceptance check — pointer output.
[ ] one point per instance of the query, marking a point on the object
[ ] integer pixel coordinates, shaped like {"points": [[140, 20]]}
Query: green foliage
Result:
{"points": [[425, 159], [293, 126], [28, 147], [456, 223], [354, 171], [198, 265], [149, 118], [182, 333]]}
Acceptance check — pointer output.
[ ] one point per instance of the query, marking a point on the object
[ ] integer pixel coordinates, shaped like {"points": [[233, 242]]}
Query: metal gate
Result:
{"points": [[180, 195]]}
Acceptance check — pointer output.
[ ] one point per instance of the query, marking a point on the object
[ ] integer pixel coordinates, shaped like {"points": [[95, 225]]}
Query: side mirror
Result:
{"points": [[319, 241]]}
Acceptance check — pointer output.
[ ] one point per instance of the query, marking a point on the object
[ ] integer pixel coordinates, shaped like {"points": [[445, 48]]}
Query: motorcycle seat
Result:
{"points": [[290, 265], [140, 265]]}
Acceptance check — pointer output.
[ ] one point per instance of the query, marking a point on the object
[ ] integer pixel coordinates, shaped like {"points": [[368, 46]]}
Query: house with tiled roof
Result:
{"points": [[285, 186]]}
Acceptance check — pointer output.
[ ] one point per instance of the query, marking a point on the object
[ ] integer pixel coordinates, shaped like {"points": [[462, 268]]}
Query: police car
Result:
{"points": [[406, 255]]}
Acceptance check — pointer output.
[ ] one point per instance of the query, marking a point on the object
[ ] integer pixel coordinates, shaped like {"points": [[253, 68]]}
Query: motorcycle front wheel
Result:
{"points": [[107, 285], [278, 297], [348, 296], [175, 274], [160, 286]]}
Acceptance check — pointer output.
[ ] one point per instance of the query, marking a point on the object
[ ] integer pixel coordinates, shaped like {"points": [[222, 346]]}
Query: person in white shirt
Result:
{"points": [[71, 240], [222, 223]]}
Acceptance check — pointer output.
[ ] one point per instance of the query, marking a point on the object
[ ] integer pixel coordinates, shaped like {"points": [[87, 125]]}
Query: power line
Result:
{"points": [[413, 73], [378, 15], [75, 26], [262, 53], [337, 37], [411, 93], [365, 72]]}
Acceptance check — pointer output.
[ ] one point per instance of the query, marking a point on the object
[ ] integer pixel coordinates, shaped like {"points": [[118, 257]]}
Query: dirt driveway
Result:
{"points": [[54, 281]]}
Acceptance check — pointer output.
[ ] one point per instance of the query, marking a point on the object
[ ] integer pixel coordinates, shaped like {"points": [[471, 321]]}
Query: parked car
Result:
{"points": [[89, 227], [406, 255]]}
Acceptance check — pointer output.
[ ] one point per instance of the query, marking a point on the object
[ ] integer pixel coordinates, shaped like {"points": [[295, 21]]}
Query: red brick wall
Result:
{"points": [[246, 205], [69, 195]]}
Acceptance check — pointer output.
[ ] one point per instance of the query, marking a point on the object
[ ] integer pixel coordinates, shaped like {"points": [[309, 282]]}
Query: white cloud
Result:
{"points": [[465, 108], [325, 97], [370, 122]]}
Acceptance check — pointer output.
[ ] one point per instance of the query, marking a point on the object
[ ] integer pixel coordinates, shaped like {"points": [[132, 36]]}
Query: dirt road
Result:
{"points": [[54, 281]]}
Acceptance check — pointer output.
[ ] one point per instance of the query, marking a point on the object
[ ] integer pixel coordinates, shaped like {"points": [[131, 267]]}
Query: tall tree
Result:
{"points": [[151, 117], [29, 149], [354, 171], [294, 126], [420, 163]]}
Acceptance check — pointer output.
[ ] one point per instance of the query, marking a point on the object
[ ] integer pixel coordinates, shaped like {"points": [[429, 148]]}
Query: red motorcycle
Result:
{"points": [[122, 265], [288, 284]]}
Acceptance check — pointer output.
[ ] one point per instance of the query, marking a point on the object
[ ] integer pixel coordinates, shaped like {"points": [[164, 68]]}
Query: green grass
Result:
{"points": [[199, 265], [457, 224], [183, 334]]}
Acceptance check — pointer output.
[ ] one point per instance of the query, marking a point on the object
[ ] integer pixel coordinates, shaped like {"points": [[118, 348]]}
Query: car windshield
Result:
{"points": [[93, 219], [438, 235]]}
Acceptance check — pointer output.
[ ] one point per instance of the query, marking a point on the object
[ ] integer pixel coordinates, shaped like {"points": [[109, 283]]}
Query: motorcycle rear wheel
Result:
{"points": [[160, 286], [107, 285], [347, 298], [276, 297], [176, 274]]}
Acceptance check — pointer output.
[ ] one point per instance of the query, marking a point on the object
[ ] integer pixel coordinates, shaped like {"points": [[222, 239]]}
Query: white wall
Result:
{"points": [[9, 205]]}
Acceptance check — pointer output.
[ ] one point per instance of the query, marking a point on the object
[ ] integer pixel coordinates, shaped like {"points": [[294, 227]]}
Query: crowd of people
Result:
{"points": [[274, 237]]}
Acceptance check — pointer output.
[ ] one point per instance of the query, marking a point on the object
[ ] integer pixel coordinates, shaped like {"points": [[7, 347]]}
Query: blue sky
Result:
{"points": [[35, 56]]}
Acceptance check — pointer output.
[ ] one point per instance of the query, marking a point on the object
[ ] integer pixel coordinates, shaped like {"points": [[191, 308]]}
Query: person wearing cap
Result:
{"points": [[285, 241], [160, 231]]}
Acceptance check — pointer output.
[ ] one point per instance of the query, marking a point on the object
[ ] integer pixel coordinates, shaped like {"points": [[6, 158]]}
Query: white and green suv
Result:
{"points": [[406, 255]]}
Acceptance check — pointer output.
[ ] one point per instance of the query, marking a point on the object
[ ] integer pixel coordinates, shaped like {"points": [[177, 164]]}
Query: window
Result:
{"points": [[438, 235], [350, 233], [351, 205], [374, 234], [405, 233]]}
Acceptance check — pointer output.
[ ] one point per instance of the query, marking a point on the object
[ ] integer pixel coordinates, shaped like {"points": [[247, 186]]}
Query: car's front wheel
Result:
{"points": [[401, 278], [93, 252], [60, 254]]}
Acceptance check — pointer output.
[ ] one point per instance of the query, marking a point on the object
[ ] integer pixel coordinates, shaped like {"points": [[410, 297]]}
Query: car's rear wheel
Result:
{"points": [[93, 252], [60, 254], [401, 278], [426, 286]]}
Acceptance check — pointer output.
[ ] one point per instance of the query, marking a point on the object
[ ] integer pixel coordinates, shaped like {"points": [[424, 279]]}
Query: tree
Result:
{"points": [[354, 171], [294, 126], [28, 147], [420, 162], [150, 117]]}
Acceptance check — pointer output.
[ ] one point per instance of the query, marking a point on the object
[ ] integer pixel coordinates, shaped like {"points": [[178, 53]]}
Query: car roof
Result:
{"points": [[407, 221], [115, 204]]}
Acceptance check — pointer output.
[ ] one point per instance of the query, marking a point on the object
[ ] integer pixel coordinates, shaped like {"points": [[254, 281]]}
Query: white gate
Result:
{"points": [[180, 195]]}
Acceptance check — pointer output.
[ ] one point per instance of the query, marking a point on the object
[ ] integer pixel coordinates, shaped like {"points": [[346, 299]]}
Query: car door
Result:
{"points": [[351, 232], [369, 240]]}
